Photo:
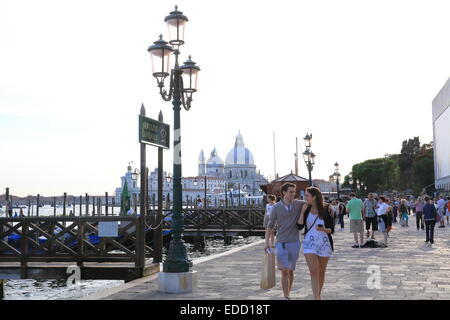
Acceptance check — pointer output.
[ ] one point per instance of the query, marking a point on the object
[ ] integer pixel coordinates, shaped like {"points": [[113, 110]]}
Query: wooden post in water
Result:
{"points": [[113, 205], [81, 200], [106, 203], [99, 206], [87, 204], [2, 289], [54, 206], [38, 204], [64, 204], [73, 204], [93, 206], [147, 200], [29, 205], [7, 206]]}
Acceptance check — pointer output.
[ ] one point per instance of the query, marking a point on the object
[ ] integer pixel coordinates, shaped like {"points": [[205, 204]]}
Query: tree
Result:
{"points": [[423, 168], [409, 150]]}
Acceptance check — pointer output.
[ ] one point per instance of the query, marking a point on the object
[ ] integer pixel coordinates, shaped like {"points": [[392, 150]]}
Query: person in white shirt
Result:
{"points": [[382, 214], [440, 210], [334, 211], [270, 203]]}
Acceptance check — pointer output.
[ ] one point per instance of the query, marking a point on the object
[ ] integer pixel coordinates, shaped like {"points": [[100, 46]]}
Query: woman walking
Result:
{"points": [[383, 217], [419, 213], [335, 211], [403, 212], [270, 203], [447, 209], [317, 243], [341, 210]]}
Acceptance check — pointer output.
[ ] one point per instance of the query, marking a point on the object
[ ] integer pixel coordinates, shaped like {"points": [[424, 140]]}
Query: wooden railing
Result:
{"points": [[68, 239], [220, 219], [75, 239]]}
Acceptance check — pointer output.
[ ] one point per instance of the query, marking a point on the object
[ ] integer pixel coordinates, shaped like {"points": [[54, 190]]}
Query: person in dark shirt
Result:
{"points": [[429, 216]]}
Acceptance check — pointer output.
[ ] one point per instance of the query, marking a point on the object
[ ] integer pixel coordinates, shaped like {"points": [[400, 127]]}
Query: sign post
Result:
{"points": [[155, 133]]}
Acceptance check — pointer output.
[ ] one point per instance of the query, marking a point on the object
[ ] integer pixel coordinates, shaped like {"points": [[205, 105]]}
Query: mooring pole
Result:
{"points": [[38, 204], [106, 203], [158, 237], [87, 204], [2, 289], [7, 204]]}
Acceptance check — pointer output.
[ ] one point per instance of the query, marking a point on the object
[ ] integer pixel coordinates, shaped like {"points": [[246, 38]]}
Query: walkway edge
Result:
{"points": [[105, 293]]}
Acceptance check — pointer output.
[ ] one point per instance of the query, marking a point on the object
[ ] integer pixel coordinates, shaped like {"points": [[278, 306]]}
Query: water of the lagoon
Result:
{"points": [[29, 289]]}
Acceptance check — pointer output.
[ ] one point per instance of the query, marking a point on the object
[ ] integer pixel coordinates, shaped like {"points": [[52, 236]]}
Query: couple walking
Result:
{"points": [[290, 216]]}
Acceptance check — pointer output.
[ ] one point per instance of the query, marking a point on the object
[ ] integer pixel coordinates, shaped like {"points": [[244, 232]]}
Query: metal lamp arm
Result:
{"points": [[167, 96], [186, 103]]}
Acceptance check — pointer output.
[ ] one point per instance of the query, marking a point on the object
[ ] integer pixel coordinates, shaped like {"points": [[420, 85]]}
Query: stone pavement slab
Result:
{"points": [[408, 270]]}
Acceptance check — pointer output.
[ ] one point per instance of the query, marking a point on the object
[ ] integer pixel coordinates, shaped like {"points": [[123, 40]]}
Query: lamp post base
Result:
{"points": [[177, 282]]}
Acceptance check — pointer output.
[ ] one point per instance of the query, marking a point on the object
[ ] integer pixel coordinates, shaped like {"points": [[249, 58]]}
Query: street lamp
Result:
{"points": [[350, 180], [307, 139], [336, 176], [182, 84], [308, 156]]}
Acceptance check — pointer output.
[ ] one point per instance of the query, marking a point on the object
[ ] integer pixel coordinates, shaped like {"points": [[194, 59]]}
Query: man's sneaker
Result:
{"points": [[355, 245], [287, 298]]}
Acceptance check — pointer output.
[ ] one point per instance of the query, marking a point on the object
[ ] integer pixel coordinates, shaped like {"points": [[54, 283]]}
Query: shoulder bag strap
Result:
{"points": [[306, 225]]}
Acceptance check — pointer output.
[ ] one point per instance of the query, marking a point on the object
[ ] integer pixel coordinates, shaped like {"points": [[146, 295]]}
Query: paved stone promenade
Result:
{"points": [[409, 270]]}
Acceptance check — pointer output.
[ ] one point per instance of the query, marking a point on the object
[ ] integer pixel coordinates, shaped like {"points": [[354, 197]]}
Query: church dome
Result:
{"points": [[214, 160], [239, 154]]}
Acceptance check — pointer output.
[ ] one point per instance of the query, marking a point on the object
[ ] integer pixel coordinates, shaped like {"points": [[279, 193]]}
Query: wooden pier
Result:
{"points": [[47, 246]]}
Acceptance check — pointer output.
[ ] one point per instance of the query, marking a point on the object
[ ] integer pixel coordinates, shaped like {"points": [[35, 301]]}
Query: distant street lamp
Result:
{"points": [[336, 177], [309, 156], [182, 84]]}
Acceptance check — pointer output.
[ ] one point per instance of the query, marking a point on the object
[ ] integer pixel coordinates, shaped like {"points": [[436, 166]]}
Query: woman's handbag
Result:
{"points": [[268, 274], [438, 217]]}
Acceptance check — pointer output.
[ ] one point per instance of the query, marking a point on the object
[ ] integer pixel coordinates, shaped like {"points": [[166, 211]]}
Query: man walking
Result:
{"points": [[369, 209], [419, 213], [285, 215], [356, 216], [429, 216]]}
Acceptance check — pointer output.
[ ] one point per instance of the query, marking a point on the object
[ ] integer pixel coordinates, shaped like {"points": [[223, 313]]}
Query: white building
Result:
{"points": [[239, 168], [328, 188], [193, 187], [441, 138]]}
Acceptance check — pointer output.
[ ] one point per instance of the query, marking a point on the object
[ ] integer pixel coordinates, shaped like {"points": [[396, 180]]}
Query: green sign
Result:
{"points": [[154, 132]]}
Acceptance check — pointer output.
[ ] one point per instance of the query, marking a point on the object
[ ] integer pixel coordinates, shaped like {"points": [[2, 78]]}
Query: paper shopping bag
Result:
{"points": [[268, 274]]}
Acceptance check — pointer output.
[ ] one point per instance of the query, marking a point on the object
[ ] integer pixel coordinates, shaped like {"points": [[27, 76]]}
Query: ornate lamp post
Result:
{"points": [[350, 181], [182, 84], [309, 156], [336, 176]]}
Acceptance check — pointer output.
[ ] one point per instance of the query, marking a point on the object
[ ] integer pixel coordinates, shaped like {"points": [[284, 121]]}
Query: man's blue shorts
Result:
{"points": [[287, 254]]}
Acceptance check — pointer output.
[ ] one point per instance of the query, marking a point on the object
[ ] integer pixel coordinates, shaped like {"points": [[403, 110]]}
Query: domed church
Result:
{"points": [[239, 167]]}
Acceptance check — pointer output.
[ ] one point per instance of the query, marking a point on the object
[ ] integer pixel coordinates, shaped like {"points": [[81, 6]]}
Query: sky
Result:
{"points": [[359, 75]]}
